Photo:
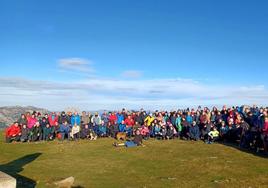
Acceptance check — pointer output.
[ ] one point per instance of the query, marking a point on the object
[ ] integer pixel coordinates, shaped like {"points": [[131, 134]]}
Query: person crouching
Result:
{"points": [[24, 133], [13, 133], [75, 132], [213, 135], [85, 132], [64, 130]]}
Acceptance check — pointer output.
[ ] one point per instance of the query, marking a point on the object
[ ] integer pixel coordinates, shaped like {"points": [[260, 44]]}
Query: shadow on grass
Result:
{"points": [[234, 145], [13, 169]]}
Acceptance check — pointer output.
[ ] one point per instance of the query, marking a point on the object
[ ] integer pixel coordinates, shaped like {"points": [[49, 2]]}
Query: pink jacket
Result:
{"points": [[31, 122]]}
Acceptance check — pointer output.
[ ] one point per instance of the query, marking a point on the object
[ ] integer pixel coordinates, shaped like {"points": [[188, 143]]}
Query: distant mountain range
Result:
{"points": [[10, 114]]}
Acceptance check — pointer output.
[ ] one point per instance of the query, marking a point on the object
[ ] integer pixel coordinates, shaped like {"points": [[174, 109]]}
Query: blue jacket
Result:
{"points": [[105, 118], [194, 131], [224, 130], [75, 120], [120, 118], [64, 129], [189, 119], [157, 129], [102, 129], [122, 127]]}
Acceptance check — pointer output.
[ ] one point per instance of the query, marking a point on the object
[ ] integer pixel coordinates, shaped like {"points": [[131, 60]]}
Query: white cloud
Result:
{"points": [[94, 94], [132, 74], [76, 64]]}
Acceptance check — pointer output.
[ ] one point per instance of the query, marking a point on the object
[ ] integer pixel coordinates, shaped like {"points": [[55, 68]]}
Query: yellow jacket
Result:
{"points": [[214, 134], [149, 120]]}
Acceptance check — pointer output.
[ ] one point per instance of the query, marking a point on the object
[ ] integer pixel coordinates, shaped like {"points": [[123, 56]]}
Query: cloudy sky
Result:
{"points": [[109, 54]]}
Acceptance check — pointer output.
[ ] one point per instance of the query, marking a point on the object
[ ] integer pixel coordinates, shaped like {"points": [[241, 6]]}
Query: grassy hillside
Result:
{"points": [[171, 163]]}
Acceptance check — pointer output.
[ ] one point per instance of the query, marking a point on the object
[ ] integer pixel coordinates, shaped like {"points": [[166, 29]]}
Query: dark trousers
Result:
{"points": [[13, 138], [64, 134]]}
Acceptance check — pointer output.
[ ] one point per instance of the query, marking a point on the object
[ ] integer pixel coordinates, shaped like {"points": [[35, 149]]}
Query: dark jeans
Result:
{"points": [[64, 134], [210, 139], [13, 138], [37, 138], [76, 136]]}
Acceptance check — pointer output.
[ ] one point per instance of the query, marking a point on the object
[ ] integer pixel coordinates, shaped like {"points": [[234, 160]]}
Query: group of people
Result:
{"points": [[245, 125]]}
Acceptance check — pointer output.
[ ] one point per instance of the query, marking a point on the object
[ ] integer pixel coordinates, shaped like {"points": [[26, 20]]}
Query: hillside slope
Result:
{"points": [[9, 114]]}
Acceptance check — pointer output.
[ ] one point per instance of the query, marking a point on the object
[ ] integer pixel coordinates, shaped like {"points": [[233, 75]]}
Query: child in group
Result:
{"points": [[24, 133], [213, 135], [75, 132]]}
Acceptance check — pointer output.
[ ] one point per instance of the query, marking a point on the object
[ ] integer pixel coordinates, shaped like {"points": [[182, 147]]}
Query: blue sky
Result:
{"points": [[198, 52]]}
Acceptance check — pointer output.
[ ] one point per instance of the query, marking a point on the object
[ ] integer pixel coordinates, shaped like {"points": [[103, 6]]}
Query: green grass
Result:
{"points": [[171, 163]]}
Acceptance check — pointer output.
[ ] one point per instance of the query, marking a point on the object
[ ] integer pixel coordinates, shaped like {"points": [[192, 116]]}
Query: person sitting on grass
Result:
{"points": [[163, 131], [64, 130], [47, 134], [213, 135], [157, 131], [145, 132], [171, 131], [13, 133], [224, 131], [113, 129], [102, 129], [194, 132], [85, 132], [185, 135], [75, 132], [122, 127], [24, 133], [37, 132], [137, 141]]}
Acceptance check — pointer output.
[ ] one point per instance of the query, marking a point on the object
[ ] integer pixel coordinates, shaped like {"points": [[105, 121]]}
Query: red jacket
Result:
{"points": [[12, 130], [129, 122], [113, 119], [203, 119], [265, 128], [53, 121]]}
